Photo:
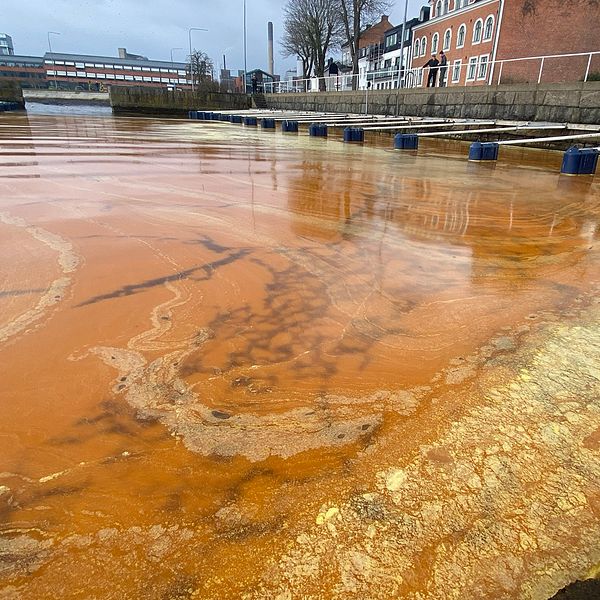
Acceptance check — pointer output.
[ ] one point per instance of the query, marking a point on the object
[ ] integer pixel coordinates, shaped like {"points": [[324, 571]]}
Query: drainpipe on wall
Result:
{"points": [[496, 42]]}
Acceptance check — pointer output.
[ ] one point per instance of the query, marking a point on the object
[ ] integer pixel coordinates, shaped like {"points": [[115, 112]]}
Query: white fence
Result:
{"points": [[478, 70]]}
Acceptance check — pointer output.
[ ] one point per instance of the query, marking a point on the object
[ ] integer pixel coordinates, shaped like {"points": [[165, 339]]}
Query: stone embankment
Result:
{"points": [[562, 103], [132, 100]]}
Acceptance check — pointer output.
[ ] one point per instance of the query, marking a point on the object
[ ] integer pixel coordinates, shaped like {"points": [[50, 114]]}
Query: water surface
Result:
{"points": [[238, 363]]}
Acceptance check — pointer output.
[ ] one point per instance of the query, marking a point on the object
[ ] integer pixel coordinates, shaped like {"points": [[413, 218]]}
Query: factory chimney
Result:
{"points": [[270, 66]]}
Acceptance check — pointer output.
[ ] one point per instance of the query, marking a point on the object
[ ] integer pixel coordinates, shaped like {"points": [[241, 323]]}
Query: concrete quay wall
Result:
{"points": [[562, 103], [51, 96], [11, 92], [131, 100]]}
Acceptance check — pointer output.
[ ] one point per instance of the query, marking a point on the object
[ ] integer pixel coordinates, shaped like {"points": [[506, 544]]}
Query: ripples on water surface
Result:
{"points": [[242, 364]]}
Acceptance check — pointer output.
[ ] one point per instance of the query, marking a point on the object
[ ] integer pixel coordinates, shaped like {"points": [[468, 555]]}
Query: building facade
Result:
{"points": [[99, 72], [466, 31], [6, 45], [28, 71], [548, 28], [509, 41], [85, 72], [372, 35], [389, 68]]}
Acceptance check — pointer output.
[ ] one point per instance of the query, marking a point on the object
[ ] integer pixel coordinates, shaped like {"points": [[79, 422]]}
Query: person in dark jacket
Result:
{"points": [[433, 63], [254, 83], [443, 68]]}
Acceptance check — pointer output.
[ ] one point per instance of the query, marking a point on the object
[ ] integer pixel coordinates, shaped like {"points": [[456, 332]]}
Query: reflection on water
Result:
{"points": [[226, 352]]}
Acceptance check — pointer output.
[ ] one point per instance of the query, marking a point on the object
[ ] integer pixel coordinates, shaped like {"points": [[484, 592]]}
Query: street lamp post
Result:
{"points": [[245, 52], [401, 65], [173, 64], [50, 49], [190, 39]]}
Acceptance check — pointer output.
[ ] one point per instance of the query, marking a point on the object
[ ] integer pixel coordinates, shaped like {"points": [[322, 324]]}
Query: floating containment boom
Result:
{"points": [[289, 126], [354, 134], [483, 151], [580, 161], [317, 130], [406, 141]]}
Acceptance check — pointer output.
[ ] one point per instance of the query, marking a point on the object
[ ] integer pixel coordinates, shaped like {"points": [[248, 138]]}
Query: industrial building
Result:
{"points": [[82, 71]]}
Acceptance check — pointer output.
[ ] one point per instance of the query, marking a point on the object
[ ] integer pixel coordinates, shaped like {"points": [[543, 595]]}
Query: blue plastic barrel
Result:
{"points": [[354, 134], [579, 161], [483, 151], [225, 118], [317, 130], [406, 141], [289, 126], [237, 119], [250, 121], [268, 123], [192, 114]]}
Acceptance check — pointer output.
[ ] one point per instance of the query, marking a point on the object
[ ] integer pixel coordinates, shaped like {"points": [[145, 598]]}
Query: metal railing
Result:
{"points": [[477, 71]]}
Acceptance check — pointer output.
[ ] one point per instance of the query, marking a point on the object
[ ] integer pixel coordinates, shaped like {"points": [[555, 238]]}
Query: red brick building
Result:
{"points": [[545, 28], [370, 36], [477, 34]]}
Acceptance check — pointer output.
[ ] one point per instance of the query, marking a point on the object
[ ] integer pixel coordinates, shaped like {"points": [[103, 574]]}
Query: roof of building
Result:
{"points": [[14, 58], [114, 60]]}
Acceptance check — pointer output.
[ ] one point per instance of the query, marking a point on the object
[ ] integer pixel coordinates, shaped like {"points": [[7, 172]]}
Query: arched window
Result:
{"points": [[417, 48], [462, 34], [489, 28], [438, 8], [477, 30], [423, 46], [446, 6], [447, 39], [435, 40]]}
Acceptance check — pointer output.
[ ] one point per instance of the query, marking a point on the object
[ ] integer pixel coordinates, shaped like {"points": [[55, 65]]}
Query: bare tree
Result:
{"points": [[200, 68], [354, 14], [295, 43], [311, 28]]}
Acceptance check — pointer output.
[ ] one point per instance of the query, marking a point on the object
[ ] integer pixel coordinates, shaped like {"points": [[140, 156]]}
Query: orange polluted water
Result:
{"points": [[242, 364]]}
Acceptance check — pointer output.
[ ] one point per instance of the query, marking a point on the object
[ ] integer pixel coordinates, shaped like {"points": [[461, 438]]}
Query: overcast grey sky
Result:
{"points": [[153, 27]]}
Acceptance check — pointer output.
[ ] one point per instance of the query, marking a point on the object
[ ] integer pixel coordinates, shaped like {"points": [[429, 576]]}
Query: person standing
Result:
{"points": [[254, 83], [443, 68], [433, 64]]}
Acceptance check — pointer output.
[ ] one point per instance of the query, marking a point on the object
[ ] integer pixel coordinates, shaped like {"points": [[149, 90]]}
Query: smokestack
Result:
{"points": [[271, 66]]}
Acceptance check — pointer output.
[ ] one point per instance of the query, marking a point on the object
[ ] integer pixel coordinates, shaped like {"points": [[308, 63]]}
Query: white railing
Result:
{"points": [[478, 71]]}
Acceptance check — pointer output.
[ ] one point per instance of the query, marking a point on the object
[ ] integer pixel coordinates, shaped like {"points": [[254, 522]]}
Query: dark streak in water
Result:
{"points": [[129, 290]]}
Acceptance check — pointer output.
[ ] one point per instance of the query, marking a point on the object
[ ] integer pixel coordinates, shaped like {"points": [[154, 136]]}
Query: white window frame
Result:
{"points": [[416, 49], [463, 27], [482, 63], [456, 63], [435, 41], [473, 62], [438, 8], [445, 47], [480, 22], [423, 46], [483, 36]]}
